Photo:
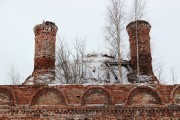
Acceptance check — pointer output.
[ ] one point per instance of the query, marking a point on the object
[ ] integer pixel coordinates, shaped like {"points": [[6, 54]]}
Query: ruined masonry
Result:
{"points": [[140, 33], [37, 100], [44, 60]]}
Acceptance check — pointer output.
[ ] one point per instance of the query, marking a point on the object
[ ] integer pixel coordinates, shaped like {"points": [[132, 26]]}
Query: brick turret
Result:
{"points": [[144, 50], [44, 60]]}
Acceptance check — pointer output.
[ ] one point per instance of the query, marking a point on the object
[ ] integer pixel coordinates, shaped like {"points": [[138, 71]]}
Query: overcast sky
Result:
{"points": [[83, 19]]}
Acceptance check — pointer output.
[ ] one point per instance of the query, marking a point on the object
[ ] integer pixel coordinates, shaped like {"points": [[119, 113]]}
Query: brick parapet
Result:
{"points": [[115, 105], [71, 92]]}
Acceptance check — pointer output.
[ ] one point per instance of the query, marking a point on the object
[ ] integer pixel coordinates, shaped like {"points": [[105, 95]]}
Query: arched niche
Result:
{"points": [[97, 95], [143, 95], [7, 97], [48, 96], [175, 95]]}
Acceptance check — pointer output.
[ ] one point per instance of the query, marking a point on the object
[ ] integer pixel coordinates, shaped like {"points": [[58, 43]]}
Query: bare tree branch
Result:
{"points": [[114, 28], [13, 75], [79, 59], [159, 72], [137, 11], [173, 76], [63, 63], [70, 66]]}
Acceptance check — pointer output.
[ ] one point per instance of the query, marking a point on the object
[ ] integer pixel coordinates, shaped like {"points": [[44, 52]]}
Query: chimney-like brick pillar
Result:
{"points": [[144, 52], [44, 60]]}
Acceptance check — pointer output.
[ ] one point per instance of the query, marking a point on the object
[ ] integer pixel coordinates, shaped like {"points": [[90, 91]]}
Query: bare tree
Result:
{"points": [[114, 28], [137, 13], [63, 72], [173, 76], [13, 75], [69, 68], [79, 59], [159, 72]]}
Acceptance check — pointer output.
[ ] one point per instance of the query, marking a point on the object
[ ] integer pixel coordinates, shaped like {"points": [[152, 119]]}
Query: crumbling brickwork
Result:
{"points": [[140, 29], [44, 60], [41, 101], [100, 102]]}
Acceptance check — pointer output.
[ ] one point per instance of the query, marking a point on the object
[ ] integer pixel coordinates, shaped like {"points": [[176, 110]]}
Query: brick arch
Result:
{"points": [[100, 90], [143, 89], [44, 90], [10, 94], [172, 94]]}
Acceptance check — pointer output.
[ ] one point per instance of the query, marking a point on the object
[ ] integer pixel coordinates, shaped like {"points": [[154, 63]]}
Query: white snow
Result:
{"points": [[96, 72]]}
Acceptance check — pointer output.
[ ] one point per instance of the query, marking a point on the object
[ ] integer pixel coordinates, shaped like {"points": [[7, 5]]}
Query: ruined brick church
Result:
{"points": [[36, 99]]}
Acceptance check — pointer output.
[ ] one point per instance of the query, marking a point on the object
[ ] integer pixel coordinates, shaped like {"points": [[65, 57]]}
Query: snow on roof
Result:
{"points": [[96, 71]]}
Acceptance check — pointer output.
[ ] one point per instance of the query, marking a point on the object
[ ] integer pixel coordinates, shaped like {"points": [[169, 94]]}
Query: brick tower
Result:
{"points": [[144, 50], [44, 60]]}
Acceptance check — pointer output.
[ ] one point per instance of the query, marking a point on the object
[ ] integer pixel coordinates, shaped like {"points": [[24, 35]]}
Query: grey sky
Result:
{"points": [[83, 19]]}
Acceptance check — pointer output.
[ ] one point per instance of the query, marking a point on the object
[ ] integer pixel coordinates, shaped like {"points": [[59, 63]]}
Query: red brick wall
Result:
{"points": [[91, 101]]}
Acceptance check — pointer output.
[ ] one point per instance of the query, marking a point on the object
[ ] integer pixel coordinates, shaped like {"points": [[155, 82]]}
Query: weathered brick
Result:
{"points": [[91, 101]]}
